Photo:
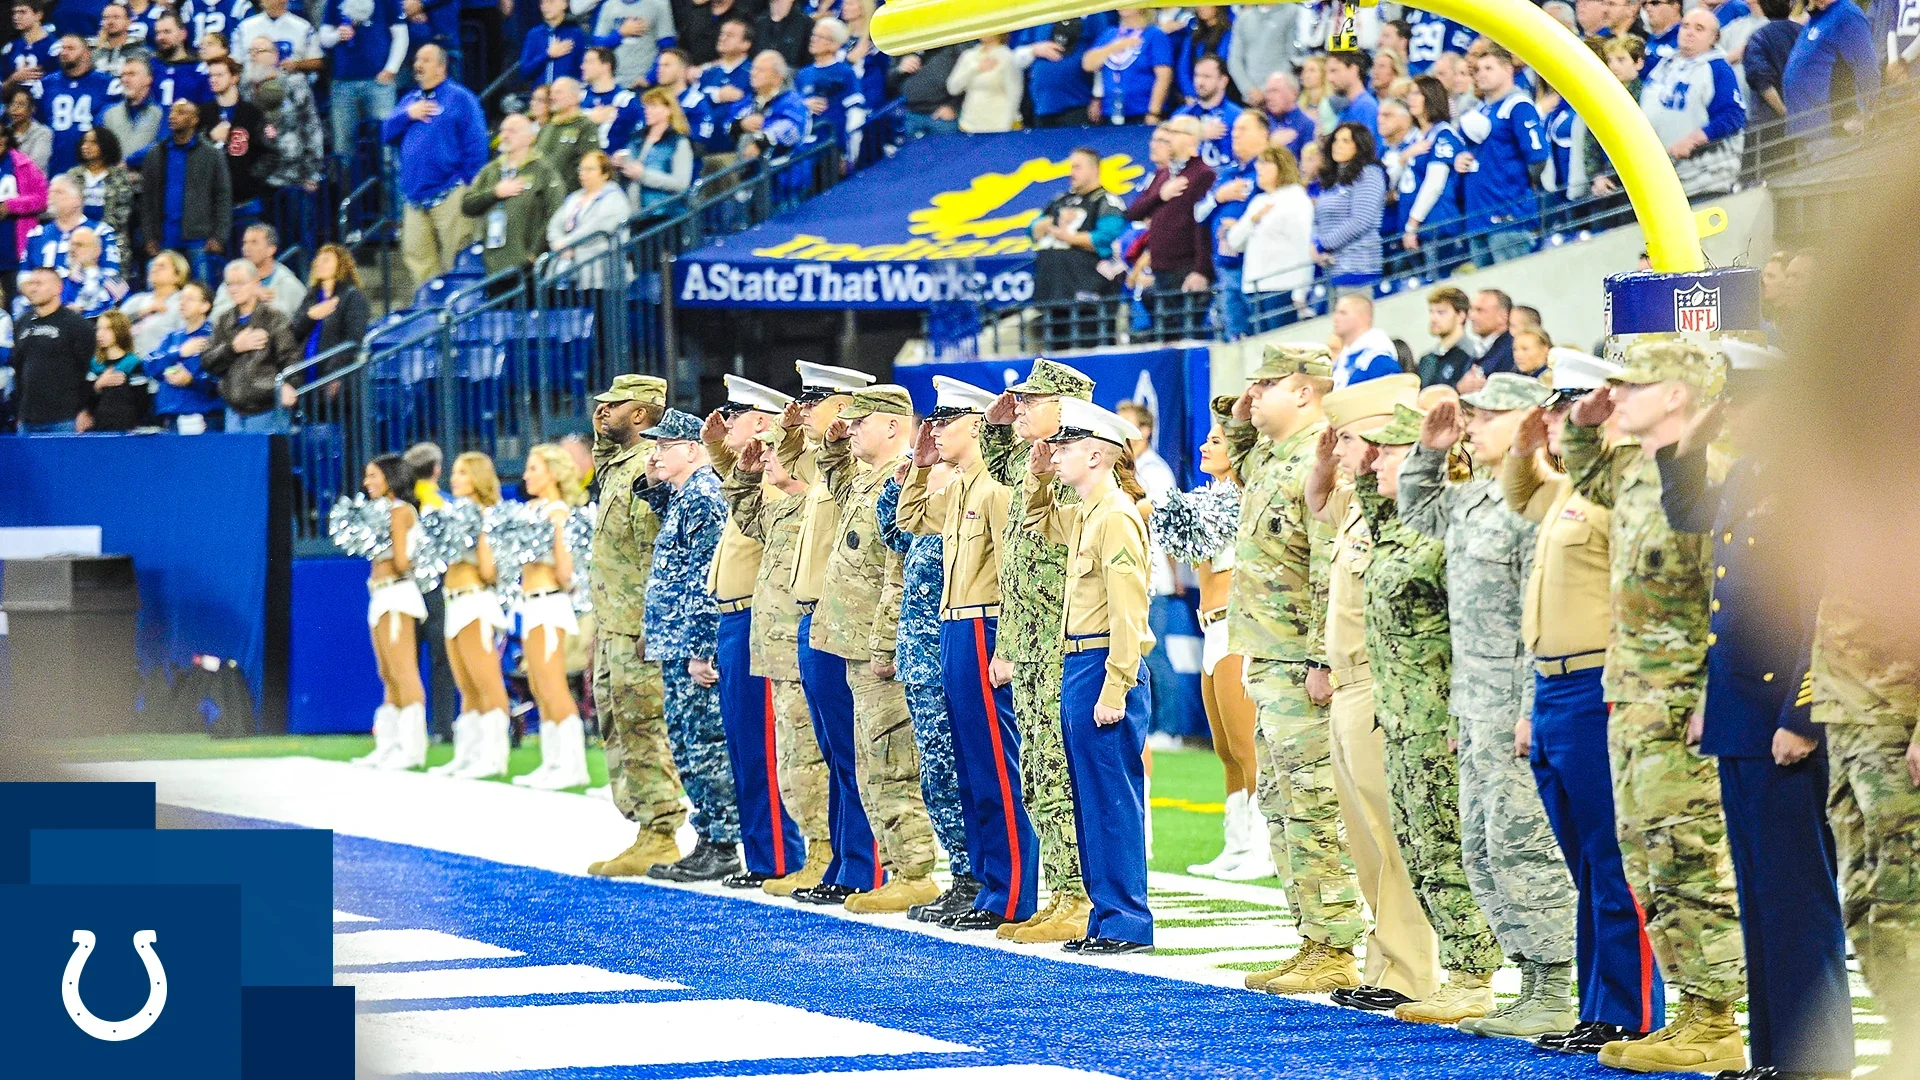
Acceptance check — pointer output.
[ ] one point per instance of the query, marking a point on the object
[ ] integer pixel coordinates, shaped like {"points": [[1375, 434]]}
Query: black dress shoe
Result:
{"points": [[1075, 945], [1102, 946], [825, 895], [707, 862], [1370, 998], [1588, 1037], [959, 897], [975, 919], [1768, 1072], [745, 879]]}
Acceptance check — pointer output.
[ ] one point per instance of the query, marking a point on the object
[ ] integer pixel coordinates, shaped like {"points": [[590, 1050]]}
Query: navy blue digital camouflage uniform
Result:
{"points": [[683, 623], [917, 655]]}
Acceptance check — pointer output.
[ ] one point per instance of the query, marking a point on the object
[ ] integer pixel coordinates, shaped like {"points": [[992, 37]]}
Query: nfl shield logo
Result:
{"points": [[1696, 310]]}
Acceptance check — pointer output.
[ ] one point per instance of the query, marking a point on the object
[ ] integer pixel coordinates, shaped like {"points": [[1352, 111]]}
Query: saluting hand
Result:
{"points": [[1704, 428], [926, 448], [1040, 461], [1243, 406], [1531, 436], [1441, 428], [1592, 410], [715, 427], [900, 472], [838, 431], [1001, 411], [1367, 460], [792, 416]]}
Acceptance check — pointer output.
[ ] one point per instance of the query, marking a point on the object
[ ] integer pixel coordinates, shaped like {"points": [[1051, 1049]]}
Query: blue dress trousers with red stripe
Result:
{"points": [[856, 854], [1000, 841], [772, 843]]}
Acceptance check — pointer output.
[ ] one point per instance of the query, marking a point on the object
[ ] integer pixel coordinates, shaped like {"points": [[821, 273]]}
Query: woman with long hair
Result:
{"points": [[658, 159], [1352, 203], [335, 310], [156, 312], [1429, 195], [1275, 232], [552, 485], [122, 396], [481, 730], [395, 610], [1316, 97]]}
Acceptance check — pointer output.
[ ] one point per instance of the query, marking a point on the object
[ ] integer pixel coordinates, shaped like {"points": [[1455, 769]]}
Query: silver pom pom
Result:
{"points": [[1197, 525], [449, 534], [518, 535], [578, 531], [361, 527]]}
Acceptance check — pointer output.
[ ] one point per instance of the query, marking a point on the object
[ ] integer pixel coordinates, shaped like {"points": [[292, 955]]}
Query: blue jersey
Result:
{"points": [[1126, 79], [540, 68], [1833, 39], [715, 76], [1397, 204], [1659, 47], [71, 107], [203, 17], [184, 81], [43, 54], [626, 117], [47, 246], [140, 27], [1058, 86], [1432, 35], [1432, 195], [1896, 26], [1559, 124], [703, 122], [1217, 153], [1217, 213], [837, 85], [365, 56], [1506, 139]]}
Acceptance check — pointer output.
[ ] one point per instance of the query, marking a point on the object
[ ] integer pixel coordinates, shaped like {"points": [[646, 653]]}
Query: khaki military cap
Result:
{"points": [[1375, 397], [1698, 366], [1506, 391], [645, 389], [1055, 378], [886, 398], [1403, 429], [1293, 358]]}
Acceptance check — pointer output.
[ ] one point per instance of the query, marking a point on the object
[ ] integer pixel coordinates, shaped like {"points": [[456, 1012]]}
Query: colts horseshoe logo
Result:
{"points": [[132, 1027]]}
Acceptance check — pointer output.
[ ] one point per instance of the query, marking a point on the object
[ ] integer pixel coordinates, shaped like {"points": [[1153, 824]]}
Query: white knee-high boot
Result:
{"points": [[563, 757], [492, 743], [410, 740], [465, 738], [1235, 848], [1257, 862], [383, 738]]}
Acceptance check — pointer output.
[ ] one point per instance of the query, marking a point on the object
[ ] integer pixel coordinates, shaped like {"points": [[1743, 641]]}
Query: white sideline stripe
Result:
{"points": [[493, 982], [503, 1039], [369, 947], [955, 1073], [1224, 937], [349, 917]]}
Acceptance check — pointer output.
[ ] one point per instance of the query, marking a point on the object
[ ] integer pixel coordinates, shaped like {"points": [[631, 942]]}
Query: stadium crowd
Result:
{"points": [[1276, 165]]}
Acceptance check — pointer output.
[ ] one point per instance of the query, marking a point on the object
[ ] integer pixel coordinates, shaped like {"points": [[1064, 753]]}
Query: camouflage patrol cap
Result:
{"points": [[886, 398], [1053, 377], [645, 389], [674, 426], [1293, 358], [1698, 366], [1403, 429], [1375, 397], [1506, 391]]}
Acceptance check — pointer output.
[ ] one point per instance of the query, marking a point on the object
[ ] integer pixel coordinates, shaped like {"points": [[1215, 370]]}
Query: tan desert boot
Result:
{"points": [[819, 856], [1703, 1038], [1068, 922], [1465, 996], [650, 850], [1318, 968], [897, 895], [1045, 912]]}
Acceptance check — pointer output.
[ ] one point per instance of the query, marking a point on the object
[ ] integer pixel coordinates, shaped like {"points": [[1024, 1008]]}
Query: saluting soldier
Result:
{"points": [[1565, 626], [855, 867], [1274, 619], [1666, 795], [770, 842], [1756, 720], [1402, 949], [626, 687], [1027, 649], [683, 626], [1409, 646], [857, 620], [1104, 702], [769, 504], [1513, 864], [970, 516]]}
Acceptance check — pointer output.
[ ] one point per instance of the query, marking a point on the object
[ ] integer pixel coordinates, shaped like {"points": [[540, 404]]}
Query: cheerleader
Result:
{"points": [[1199, 527], [1104, 701], [481, 741], [395, 609], [545, 613]]}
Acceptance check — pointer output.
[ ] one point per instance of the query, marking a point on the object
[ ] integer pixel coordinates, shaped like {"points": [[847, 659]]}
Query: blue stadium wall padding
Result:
{"points": [[197, 516], [331, 683]]}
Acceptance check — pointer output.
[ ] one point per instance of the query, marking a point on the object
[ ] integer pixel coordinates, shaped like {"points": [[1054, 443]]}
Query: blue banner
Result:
{"points": [[946, 219]]}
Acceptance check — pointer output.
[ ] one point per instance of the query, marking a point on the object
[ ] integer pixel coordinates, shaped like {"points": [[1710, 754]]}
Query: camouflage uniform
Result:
{"points": [[683, 624], [1033, 579], [1410, 650], [1673, 839], [919, 663], [1276, 616], [627, 691], [1511, 857], [772, 517], [1870, 701], [857, 618]]}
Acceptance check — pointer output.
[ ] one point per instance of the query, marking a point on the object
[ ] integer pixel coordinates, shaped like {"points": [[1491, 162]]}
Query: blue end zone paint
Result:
{"points": [[1015, 1009]]}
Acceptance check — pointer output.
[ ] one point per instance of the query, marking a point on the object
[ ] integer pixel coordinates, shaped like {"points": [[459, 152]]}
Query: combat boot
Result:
{"points": [[819, 856], [1317, 968], [1545, 1005], [959, 897], [897, 895], [1042, 915], [1703, 1038], [649, 850], [1067, 922], [707, 861], [1466, 995]]}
